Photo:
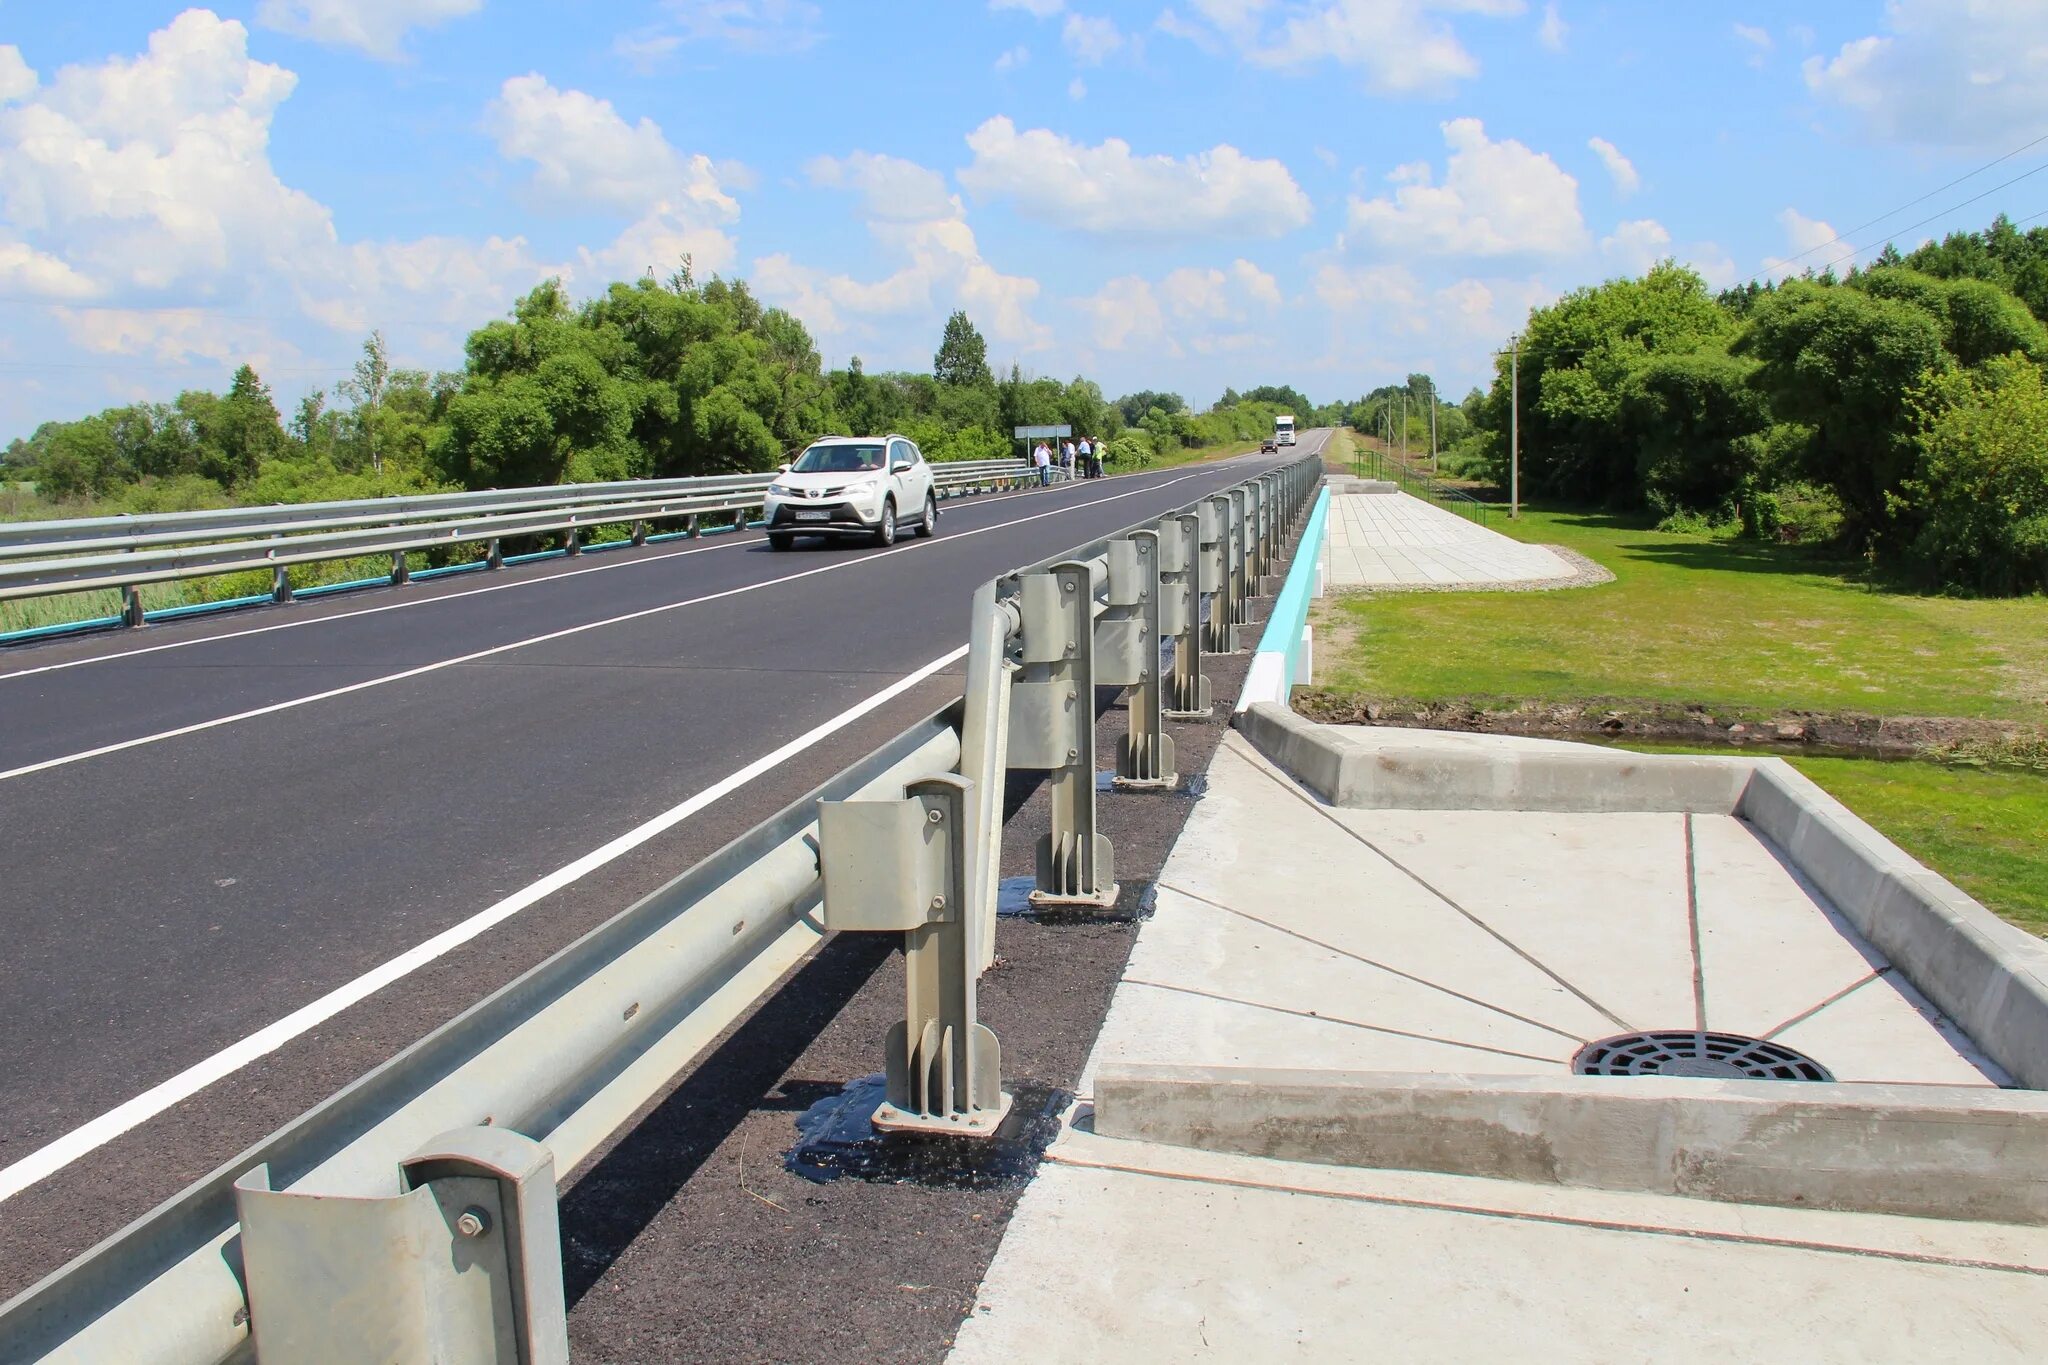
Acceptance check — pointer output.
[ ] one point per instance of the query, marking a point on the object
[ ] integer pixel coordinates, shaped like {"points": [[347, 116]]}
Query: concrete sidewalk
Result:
{"points": [[1293, 934], [1394, 540]]}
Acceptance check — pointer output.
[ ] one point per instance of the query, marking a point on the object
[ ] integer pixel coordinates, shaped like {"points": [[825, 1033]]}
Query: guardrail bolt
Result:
{"points": [[473, 1222]]}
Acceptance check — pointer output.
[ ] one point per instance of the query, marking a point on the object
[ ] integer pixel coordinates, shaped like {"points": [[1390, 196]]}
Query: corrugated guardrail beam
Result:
{"points": [[40, 559], [567, 1053]]}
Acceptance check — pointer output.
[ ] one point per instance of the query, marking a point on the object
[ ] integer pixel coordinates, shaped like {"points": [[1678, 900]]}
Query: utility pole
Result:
{"points": [[1515, 427], [1404, 424], [1432, 426]]}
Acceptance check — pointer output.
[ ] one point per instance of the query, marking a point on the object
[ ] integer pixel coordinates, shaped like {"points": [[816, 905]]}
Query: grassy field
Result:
{"points": [[1980, 829], [1691, 618], [1743, 627]]}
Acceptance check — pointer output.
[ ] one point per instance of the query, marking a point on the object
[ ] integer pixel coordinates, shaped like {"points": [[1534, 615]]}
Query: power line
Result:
{"points": [[1936, 217], [1970, 175]]}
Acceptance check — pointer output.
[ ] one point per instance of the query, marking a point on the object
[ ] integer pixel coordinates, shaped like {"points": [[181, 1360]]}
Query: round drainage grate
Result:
{"points": [[1688, 1052]]}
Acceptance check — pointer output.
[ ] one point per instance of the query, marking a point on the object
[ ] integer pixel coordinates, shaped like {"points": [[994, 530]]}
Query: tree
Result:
{"points": [[365, 388], [1133, 406], [962, 358], [1841, 362]]}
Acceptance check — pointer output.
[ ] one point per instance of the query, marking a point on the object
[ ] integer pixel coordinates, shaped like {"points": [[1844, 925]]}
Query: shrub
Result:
{"points": [[1796, 513]]}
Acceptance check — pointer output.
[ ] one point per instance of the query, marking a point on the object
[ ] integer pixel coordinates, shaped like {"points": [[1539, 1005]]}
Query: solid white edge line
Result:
{"points": [[421, 670], [661, 556], [55, 1155]]}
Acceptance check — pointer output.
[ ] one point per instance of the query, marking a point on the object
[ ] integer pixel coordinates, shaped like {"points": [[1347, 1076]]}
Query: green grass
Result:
{"points": [[1980, 829], [1692, 618]]}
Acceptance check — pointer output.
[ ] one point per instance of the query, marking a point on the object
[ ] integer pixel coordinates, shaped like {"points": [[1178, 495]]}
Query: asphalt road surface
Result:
{"points": [[244, 859]]}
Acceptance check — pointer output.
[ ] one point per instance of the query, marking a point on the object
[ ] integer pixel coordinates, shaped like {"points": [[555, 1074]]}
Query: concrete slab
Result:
{"points": [[1135, 1251], [1293, 934], [1392, 539]]}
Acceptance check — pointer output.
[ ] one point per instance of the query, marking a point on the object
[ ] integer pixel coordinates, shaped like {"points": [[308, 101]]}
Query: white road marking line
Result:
{"points": [[55, 1155], [660, 557], [422, 670]]}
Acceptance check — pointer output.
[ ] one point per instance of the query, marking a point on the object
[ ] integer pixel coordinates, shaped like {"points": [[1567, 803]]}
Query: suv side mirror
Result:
{"points": [[782, 469], [901, 467]]}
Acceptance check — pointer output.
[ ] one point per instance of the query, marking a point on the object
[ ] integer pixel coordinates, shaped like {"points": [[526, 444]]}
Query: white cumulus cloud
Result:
{"points": [[1037, 9], [1637, 245], [17, 77], [1495, 199], [377, 27], [1553, 30], [1400, 47], [891, 189], [1107, 188], [1968, 73], [1758, 40], [583, 151], [1811, 240], [1619, 168], [138, 200], [913, 222], [1091, 41]]}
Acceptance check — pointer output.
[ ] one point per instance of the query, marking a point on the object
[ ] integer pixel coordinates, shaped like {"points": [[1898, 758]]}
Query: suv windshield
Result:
{"points": [[838, 459]]}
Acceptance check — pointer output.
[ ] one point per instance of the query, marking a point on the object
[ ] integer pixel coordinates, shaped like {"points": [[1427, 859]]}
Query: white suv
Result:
{"points": [[852, 486]]}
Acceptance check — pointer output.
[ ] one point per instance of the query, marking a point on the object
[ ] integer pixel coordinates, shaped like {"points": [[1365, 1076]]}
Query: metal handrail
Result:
{"points": [[568, 1052]]}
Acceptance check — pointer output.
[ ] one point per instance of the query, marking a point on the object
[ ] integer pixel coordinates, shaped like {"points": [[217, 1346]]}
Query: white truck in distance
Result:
{"points": [[1283, 429]]}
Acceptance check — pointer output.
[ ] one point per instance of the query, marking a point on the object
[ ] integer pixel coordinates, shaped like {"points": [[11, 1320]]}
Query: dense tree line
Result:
{"points": [[649, 379], [1898, 410]]}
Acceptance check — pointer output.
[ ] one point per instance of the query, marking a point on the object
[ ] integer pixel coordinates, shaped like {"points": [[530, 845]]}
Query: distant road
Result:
{"points": [[246, 858]]}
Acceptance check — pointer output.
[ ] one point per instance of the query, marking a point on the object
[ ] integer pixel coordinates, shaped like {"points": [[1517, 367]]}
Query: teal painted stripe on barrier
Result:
{"points": [[1290, 609]]}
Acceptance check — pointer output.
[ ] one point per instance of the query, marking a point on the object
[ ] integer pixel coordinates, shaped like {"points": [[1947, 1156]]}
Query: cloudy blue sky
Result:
{"points": [[1181, 195]]}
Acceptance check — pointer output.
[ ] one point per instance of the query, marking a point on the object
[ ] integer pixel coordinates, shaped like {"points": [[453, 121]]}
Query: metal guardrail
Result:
{"points": [[44, 558], [412, 1215]]}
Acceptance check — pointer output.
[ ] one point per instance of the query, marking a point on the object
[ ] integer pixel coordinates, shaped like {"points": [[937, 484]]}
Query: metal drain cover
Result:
{"points": [[1689, 1052]]}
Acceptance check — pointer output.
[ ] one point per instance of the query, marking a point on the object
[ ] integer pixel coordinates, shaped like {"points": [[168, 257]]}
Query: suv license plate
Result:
{"points": [[814, 516]]}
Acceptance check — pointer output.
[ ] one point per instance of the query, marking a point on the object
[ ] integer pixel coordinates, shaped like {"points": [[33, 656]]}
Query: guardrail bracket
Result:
{"points": [[463, 1267], [903, 866]]}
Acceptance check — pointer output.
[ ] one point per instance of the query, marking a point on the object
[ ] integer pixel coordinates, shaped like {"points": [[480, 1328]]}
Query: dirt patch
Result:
{"points": [[1607, 718]]}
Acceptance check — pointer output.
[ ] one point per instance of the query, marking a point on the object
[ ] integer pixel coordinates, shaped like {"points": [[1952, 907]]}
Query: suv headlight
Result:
{"points": [[776, 490], [864, 487]]}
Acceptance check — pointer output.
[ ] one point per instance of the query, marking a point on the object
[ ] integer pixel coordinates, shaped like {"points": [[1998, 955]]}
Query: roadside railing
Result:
{"points": [[1369, 462], [412, 1215], [46, 558]]}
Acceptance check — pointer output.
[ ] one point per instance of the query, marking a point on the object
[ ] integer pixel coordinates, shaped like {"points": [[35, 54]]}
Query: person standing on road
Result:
{"points": [[1086, 450], [1041, 458], [1067, 455]]}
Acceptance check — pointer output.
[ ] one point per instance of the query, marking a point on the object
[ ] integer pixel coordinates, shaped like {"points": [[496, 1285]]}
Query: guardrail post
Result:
{"points": [[1257, 564], [1240, 557], [639, 534], [131, 605], [1052, 727], [1213, 580], [690, 526], [464, 1266], [573, 544], [280, 584], [984, 758], [401, 572], [1127, 638], [904, 866], [494, 554], [1180, 615]]}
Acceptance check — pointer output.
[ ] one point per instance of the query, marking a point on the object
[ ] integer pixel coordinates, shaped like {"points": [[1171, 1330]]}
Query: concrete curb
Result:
{"points": [[1989, 977], [1408, 771], [1924, 1151]]}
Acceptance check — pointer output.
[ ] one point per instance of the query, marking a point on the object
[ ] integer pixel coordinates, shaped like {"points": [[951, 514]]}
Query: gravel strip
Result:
{"points": [[686, 1239]]}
